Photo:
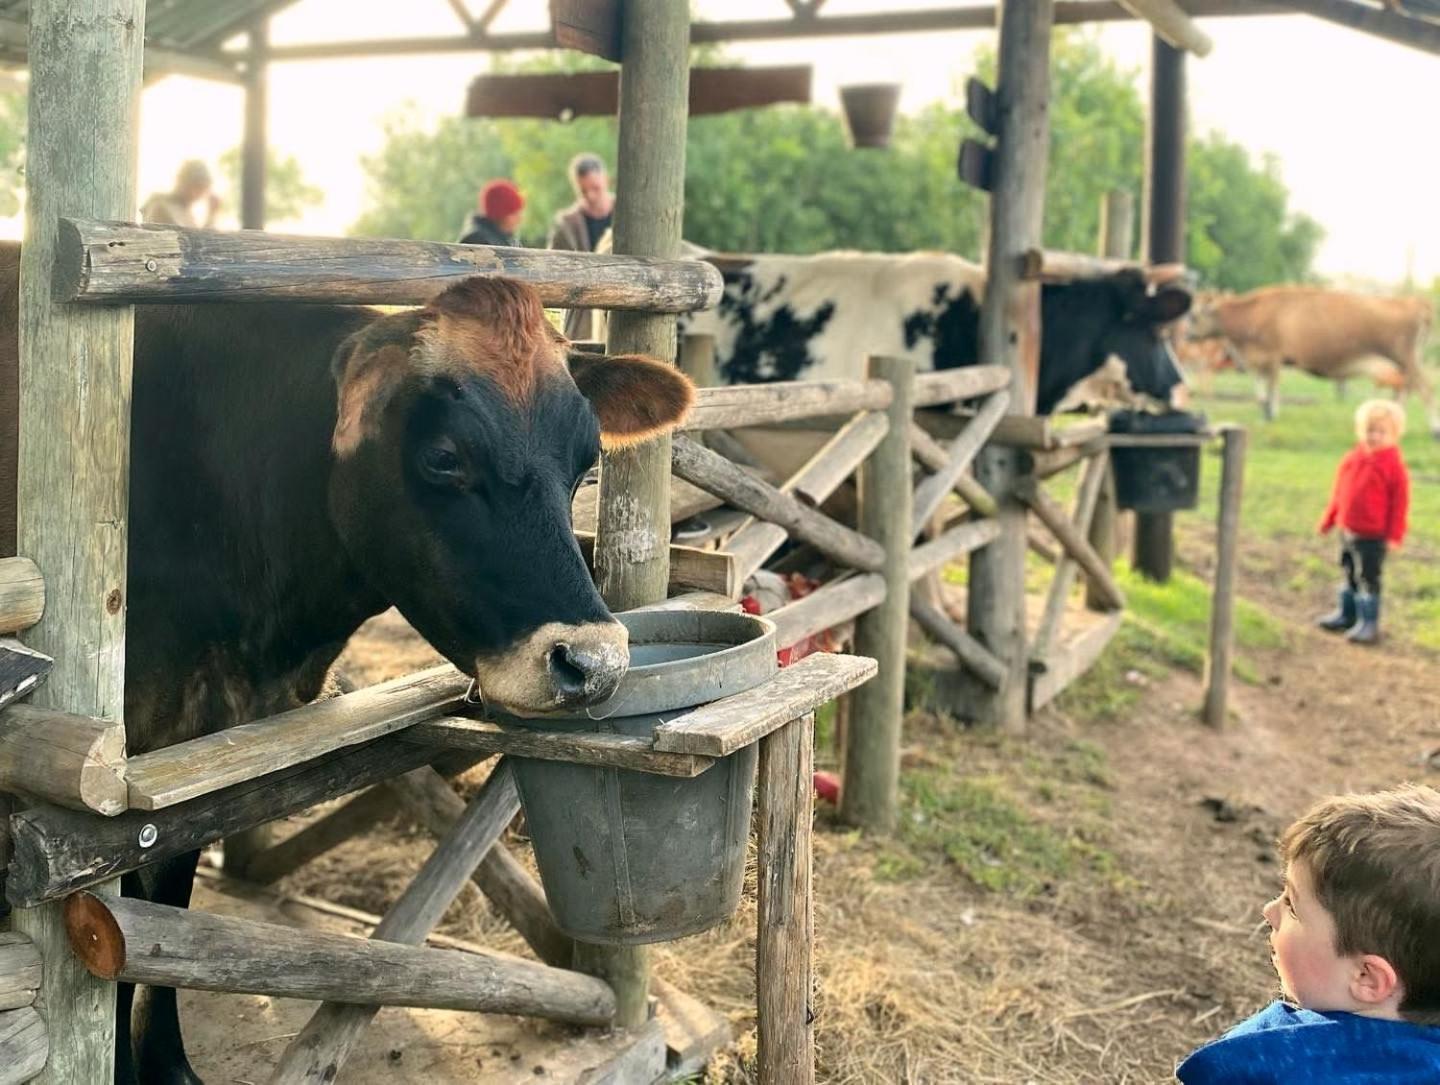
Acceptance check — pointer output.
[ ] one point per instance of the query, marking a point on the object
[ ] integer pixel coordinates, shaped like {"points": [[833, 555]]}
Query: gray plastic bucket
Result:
{"points": [[632, 857]]}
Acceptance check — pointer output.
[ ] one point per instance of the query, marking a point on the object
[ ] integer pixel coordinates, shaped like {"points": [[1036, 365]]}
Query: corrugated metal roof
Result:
{"points": [[180, 25]]}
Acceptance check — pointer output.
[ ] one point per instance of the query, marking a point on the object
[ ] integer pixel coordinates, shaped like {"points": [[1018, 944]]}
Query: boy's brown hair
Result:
{"points": [[1375, 863]]}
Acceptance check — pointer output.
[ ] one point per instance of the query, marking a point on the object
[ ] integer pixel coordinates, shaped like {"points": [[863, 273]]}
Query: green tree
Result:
{"points": [[12, 150], [287, 194]]}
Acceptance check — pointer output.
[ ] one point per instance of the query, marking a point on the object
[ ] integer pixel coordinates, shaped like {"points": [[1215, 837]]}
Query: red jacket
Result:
{"points": [[1371, 498]]}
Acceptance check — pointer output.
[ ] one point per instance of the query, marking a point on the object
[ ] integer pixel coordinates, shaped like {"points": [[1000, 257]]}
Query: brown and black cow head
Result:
{"points": [[460, 438]]}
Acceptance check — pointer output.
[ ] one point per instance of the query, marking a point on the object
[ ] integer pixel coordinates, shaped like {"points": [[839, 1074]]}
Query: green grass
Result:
{"points": [[1290, 467]]}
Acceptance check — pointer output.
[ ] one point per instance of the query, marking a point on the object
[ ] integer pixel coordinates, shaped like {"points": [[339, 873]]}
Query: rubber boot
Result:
{"points": [[1343, 617], [1367, 629]]}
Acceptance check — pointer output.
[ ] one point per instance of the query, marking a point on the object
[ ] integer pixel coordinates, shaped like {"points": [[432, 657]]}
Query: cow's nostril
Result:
{"points": [[570, 677]]}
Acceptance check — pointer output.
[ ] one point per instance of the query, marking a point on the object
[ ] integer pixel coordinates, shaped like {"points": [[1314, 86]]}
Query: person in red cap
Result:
{"points": [[498, 219]]}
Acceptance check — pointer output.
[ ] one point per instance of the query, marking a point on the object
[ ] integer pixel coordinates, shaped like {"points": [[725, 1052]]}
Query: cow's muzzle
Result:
{"points": [[558, 667]]}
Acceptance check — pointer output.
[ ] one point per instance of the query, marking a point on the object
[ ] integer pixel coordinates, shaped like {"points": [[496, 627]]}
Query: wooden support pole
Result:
{"points": [[75, 761], [958, 458], [1222, 598], [821, 476], [965, 538], [931, 454], [731, 406], [1164, 243], [714, 473], [432, 803], [253, 147], [316, 1055], [103, 262], [24, 1046], [1117, 240], [85, 72], [20, 970], [966, 648], [135, 941], [1096, 470], [1009, 336], [785, 929], [870, 795], [1073, 540], [697, 360], [1117, 224], [22, 595]]}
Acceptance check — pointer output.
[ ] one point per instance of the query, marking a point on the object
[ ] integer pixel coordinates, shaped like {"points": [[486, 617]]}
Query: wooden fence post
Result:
{"points": [[632, 544], [870, 788], [1222, 599], [1009, 336], [85, 71], [1117, 240], [253, 148]]}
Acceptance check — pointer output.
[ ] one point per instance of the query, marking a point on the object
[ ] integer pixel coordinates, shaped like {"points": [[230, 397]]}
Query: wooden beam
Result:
{"points": [[202, 766], [958, 457], [463, 14], [14, 39], [86, 60], [785, 913], [964, 539], [1072, 660], [711, 471], [1043, 265], [827, 607], [740, 405], [966, 382], [821, 476], [22, 595], [931, 454], [1075, 543], [1390, 25], [75, 761], [967, 649], [870, 798], [732, 723], [253, 143], [20, 970], [589, 26], [134, 941], [1172, 24], [580, 748], [1096, 470], [57, 851], [566, 95], [24, 1045], [316, 1055], [711, 571], [107, 262], [1222, 598]]}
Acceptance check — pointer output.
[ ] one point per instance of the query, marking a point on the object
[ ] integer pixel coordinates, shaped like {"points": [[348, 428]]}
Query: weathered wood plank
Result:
{"points": [[964, 539], [208, 764], [931, 454], [1059, 596], [1222, 598], [22, 594], [24, 1045], [690, 569], [318, 1053], [966, 382], [1075, 543], [581, 748], [57, 851], [958, 457], [1044, 265], [967, 649], [827, 607], [785, 926], [19, 970], [831, 465], [713, 472], [74, 442], [741, 405], [75, 761], [1073, 659], [870, 797], [724, 726], [135, 941], [433, 804], [110, 262]]}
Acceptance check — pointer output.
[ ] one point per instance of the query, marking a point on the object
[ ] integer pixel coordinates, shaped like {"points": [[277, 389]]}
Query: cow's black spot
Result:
{"points": [[776, 348], [953, 327]]}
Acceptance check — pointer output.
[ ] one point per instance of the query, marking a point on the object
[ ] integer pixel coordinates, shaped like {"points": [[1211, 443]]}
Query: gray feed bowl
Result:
{"points": [[631, 857]]}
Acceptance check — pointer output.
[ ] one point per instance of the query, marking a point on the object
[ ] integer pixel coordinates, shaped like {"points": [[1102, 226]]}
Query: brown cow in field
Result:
{"points": [[1327, 333]]}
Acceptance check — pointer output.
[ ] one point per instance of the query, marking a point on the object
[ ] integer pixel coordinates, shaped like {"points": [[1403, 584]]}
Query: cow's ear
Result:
{"points": [[635, 398], [1166, 304]]}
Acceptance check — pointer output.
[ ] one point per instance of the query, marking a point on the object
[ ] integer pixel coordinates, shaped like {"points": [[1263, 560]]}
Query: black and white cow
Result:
{"points": [[818, 317]]}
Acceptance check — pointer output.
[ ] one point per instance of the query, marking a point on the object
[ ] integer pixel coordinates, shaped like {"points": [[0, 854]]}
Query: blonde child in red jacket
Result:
{"points": [[1370, 503]]}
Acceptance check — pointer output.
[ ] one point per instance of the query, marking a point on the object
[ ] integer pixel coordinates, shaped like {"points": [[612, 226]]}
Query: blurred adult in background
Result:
{"points": [[193, 185], [580, 226], [501, 207]]}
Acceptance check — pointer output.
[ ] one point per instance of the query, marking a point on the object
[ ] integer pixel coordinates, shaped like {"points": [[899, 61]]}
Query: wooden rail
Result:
{"points": [[120, 263], [732, 406], [74, 761], [22, 595], [965, 382]]}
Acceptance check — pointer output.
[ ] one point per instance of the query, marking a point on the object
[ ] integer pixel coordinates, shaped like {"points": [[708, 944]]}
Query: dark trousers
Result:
{"points": [[1362, 559]]}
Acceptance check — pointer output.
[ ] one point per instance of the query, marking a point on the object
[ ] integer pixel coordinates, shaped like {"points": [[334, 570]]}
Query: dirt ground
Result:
{"points": [[1134, 936]]}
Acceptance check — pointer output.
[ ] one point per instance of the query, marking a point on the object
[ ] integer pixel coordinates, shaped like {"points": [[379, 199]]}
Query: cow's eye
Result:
{"points": [[440, 464]]}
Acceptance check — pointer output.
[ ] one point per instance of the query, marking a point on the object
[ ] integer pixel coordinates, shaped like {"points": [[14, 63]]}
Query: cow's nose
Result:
{"points": [[584, 672]]}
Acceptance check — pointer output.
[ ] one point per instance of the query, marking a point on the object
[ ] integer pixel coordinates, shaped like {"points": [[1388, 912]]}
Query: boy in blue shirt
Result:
{"points": [[1355, 938]]}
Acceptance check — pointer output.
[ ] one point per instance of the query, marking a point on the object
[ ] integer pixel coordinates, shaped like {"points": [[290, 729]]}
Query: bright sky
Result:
{"points": [[1350, 116]]}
